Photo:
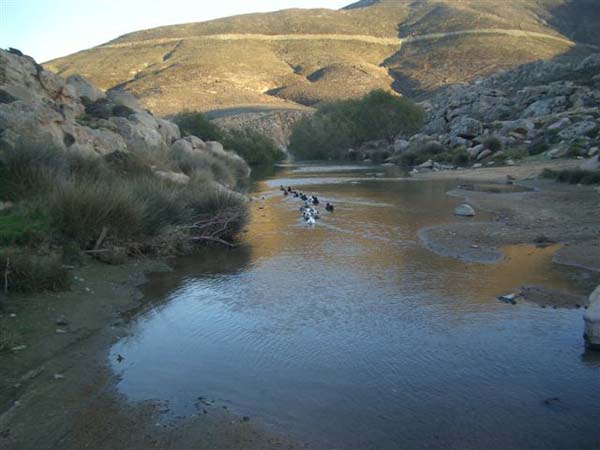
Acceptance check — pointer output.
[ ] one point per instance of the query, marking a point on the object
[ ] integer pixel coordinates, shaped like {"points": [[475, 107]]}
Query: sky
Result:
{"points": [[47, 29]]}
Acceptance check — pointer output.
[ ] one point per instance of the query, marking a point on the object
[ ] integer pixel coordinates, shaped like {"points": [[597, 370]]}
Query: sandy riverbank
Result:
{"points": [[59, 392], [548, 212]]}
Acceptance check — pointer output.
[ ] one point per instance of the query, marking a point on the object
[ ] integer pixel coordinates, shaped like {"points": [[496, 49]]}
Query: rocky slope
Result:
{"points": [[545, 107], [306, 57], [38, 106]]}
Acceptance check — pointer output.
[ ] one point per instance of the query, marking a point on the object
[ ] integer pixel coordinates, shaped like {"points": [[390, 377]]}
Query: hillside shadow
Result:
{"points": [[579, 20]]}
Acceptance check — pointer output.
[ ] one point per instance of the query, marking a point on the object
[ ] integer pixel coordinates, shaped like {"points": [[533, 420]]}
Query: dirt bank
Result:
{"points": [[548, 212], [58, 391]]}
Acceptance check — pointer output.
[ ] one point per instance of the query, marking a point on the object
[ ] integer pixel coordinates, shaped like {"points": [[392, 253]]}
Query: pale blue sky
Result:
{"points": [[46, 29]]}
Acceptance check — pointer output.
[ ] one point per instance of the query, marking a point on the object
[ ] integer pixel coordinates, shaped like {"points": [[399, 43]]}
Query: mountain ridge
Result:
{"points": [[307, 57]]}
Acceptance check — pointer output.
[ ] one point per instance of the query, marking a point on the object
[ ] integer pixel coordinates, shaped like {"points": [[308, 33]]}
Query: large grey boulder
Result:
{"points": [[84, 89], [579, 130], [123, 98], [466, 128], [592, 321]]}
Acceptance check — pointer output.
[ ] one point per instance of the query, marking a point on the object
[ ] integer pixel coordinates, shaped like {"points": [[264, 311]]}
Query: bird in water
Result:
{"points": [[329, 207]]}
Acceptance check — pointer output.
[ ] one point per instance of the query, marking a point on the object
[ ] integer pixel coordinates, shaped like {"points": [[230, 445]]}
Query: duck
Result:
{"points": [[315, 200], [285, 193], [311, 221], [329, 207]]}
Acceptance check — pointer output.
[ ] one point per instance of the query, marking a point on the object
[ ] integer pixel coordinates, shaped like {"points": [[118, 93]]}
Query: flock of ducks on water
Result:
{"points": [[309, 212]]}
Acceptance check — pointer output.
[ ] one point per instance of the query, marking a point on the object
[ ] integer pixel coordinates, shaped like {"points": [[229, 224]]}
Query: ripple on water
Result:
{"points": [[352, 335]]}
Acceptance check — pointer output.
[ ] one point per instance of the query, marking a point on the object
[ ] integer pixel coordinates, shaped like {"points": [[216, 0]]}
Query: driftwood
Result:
{"points": [[101, 238], [216, 227], [6, 273]]}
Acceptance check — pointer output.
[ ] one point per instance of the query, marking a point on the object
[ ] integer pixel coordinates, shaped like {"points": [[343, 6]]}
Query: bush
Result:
{"points": [[79, 209], [254, 147], [28, 273], [196, 124], [340, 125], [9, 337], [29, 169], [573, 176], [122, 111], [493, 143], [538, 147]]}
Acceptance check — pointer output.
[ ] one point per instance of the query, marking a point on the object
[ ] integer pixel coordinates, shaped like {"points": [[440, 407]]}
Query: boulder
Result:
{"points": [[466, 128], [484, 154], [464, 210], [84, 89], [560, 124], [592, 321], [475, 151], [593, 151], [168, 130], [560, 151], [579, 130], [123, 98], [426, 165], [591, 164]]}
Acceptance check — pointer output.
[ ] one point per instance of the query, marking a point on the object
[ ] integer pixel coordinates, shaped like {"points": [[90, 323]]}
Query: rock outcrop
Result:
{"points": [[544, 107], [40, 107], [277, 124]]}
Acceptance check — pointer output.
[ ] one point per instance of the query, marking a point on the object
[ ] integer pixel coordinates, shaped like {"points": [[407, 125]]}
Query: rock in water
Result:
{"points": [[592, 321], [464, 210]]}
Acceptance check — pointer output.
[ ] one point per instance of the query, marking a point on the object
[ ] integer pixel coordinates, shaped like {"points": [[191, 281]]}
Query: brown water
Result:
{"points": [[352, 335]]}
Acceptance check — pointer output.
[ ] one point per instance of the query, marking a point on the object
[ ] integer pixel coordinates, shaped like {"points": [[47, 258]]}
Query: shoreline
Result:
{"points": [[544, 213], [60, 391]]}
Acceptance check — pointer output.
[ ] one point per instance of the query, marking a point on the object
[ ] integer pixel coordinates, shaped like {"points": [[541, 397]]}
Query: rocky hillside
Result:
{"points": [[304, 57], [72, 115], [547, 107]]}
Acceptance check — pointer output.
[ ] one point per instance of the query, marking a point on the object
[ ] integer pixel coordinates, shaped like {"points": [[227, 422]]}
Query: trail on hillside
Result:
{"points": [[348, 37]]}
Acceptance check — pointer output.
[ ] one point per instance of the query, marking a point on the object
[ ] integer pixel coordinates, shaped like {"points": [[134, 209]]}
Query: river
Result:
{"points": [[352, 335]]}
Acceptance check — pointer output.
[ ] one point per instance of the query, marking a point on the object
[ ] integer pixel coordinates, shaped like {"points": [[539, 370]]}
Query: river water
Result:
{"points": [[352, 335]]}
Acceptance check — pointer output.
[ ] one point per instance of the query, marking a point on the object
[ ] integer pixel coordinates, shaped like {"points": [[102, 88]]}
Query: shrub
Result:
{"points": [[337, 126], [538, 147], [29, 169], [122, 111], [28, 273], [573, 176], [196, 124], [493, 143], [9, 337], [461, 158], [79, 209], [254, 147], [517, 153]]}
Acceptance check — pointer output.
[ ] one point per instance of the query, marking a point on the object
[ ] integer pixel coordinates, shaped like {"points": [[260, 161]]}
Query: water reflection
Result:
{"points": [[353, 335]]}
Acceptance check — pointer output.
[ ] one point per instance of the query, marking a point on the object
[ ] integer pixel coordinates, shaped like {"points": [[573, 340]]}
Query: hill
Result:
{"points": [[304, 57]]}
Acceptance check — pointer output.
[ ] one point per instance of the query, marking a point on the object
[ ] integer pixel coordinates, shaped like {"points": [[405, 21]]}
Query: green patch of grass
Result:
{"points": [[23, 227]]}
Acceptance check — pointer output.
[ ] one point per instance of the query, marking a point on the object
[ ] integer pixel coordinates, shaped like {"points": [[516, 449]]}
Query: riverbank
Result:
{"points": [[57, 390], [545, 213]]}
